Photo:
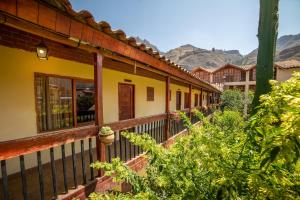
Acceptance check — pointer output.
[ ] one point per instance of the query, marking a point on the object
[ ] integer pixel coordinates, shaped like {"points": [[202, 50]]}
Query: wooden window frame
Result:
{"points": [[150, 93], [74, 99], [178, 99]]}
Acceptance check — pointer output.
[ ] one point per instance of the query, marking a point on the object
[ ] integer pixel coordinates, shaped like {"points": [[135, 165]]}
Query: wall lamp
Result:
{"points": [[42, 51]]}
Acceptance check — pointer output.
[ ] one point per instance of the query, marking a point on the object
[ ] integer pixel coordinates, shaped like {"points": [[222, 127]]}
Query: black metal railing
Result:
{"points": [[85, 116], [67, 166], [125, 150], [51, 164], [176, 126]]}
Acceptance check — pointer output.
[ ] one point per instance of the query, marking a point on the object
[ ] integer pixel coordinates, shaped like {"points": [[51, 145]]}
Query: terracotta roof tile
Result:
{"points": [[75, 30], [287, 64], [247, 67]]}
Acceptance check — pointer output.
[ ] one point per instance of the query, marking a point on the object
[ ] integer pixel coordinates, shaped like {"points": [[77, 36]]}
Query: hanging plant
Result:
{"points": [[106, 135]]}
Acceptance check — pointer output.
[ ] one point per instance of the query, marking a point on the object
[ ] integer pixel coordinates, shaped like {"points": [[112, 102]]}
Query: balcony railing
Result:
{"points": [[49, 164]]}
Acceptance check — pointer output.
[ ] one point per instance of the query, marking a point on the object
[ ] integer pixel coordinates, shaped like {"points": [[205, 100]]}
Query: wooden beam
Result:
{"points": [[167, 124], [207, 99], [22, 146], [129, 123], [104, 41], [201, 97], [128, 68], [98, 61]]}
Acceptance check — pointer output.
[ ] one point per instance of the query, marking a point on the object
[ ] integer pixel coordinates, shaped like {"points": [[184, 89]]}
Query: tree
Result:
{"points": [[267, 36], [232, 100]]}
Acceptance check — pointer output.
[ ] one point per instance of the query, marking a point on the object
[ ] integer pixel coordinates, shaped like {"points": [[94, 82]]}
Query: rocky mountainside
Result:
{"points": [[287, 48], [189, 56]]}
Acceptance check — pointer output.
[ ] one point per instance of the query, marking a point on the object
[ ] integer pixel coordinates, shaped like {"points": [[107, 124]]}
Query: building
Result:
{"points": [[62, 77], [243, 78], [284, 69]]}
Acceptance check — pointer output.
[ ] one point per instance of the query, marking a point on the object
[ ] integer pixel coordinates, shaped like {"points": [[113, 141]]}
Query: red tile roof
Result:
{"points": [[82, 27], [288, 64]]}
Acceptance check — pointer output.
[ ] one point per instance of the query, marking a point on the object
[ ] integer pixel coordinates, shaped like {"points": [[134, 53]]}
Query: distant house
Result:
{"points": [[231, 76], [205, 74], [284, 69]]}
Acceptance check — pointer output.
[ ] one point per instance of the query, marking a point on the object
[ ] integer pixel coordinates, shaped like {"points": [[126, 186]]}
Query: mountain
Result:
{"points": [[287, 48], [147, 43], [288, 41], [189, 56]]}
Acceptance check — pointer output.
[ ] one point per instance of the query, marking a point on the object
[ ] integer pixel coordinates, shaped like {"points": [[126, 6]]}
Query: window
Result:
{"points": [[252, 87], [243, 76], [85, 99], [252, 74], [186, 100], [55, 99], [196, 100], [150, 93]]}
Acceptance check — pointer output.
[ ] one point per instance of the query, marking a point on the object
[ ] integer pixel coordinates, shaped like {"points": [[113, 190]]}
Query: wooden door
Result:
{"points": [[126, 101], [178, 100], [196, 100], [186, 100]]}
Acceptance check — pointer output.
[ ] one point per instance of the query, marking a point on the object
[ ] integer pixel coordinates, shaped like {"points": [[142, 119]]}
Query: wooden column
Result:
{"points": [[190, 100], [208, 99], [98, 61], [167, 125], [201, 97]]}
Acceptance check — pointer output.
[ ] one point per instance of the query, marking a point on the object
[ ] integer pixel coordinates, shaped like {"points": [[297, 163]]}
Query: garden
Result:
{"points": [[227, 157]]}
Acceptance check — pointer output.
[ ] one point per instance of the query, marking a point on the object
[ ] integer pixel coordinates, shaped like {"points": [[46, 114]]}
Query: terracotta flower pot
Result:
{"points": [[107, 139]]}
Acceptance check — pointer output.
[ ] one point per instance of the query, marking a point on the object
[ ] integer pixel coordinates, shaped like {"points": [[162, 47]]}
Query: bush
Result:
{"points": [[225, 158], [232, 100]]}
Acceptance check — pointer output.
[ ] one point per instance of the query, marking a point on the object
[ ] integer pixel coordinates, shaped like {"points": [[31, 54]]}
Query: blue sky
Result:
{"points": [[223, 24]]}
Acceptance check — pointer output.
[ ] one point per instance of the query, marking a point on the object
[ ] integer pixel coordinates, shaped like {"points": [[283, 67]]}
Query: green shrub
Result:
{"points": [[225, 158], [232, 100]]}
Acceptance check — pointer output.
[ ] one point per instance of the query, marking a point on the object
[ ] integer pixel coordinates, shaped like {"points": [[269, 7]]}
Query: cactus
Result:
{"points": [[267, 37]]}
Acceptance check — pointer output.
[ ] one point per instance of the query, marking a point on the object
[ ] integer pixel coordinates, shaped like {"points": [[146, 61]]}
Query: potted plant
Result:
{"points": [[175, 116], [106, 135]]}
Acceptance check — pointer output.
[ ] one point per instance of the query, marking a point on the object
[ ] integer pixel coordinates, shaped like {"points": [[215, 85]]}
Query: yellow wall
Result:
{"points": [[285, 74], [174, 88], [183, 89], [17, 103], [112, 78], [195, 91]]}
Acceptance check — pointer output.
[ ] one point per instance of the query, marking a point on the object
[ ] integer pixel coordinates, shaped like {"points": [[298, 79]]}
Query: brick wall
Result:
{"points": [[18, 39]]}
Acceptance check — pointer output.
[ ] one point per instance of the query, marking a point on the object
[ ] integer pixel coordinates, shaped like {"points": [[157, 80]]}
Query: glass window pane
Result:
{"points": [[85, 98], [40, 83], [53, 103], [59, 96]]}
